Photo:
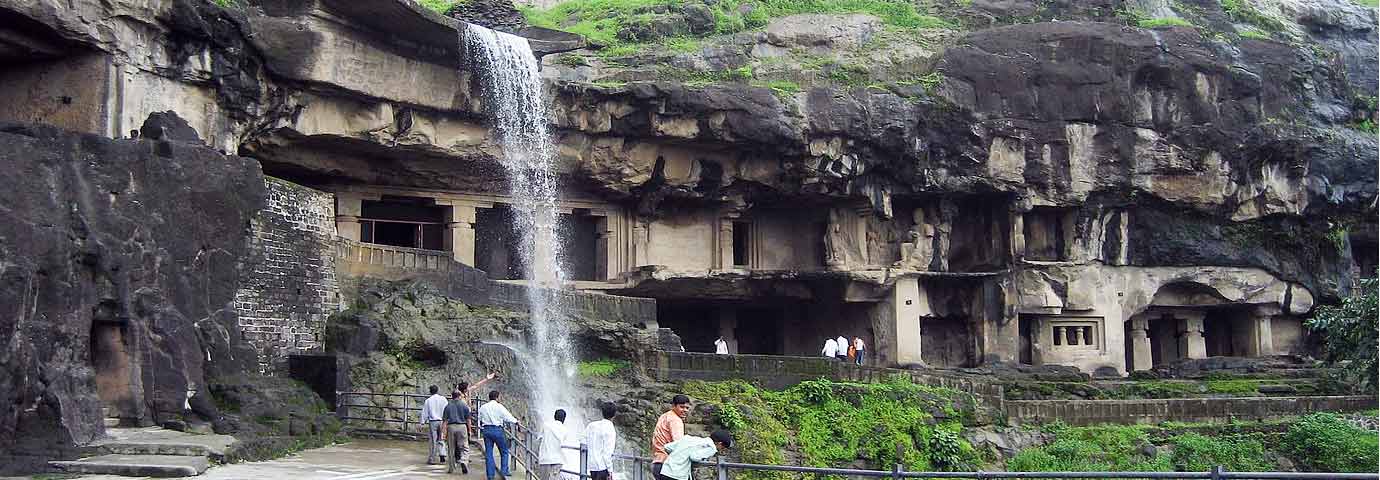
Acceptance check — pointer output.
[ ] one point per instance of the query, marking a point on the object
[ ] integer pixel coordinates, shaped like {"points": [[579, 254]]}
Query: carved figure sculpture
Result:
{"points": [[833, 241], [917, 252]]}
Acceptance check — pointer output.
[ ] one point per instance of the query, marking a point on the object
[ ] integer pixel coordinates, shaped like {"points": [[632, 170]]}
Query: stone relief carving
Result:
{"points": [[917, 251]]}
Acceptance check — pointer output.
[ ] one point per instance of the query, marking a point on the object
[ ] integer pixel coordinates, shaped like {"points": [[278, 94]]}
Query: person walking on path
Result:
{"points": [[549, 454], [432, 410], [457, 417], [831, 349], [860, 348], [600, 437], [720, 346], [492, 416], [842, 352], [669, 428], [693, 449]]}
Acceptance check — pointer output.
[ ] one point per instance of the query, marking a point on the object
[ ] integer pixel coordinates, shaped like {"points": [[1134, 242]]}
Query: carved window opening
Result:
{"points": [[742, 243], [408, 222], [1048, 232], [1076, 334]]}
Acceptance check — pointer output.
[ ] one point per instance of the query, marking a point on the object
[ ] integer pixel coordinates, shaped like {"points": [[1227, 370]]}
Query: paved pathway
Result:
{"points": [[357, 460]]}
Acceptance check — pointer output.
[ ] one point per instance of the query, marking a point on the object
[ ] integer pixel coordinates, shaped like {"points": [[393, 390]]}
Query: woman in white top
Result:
{"points": [[858, 348]]}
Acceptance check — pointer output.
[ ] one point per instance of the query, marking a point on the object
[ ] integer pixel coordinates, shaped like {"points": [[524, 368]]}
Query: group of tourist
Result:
{"points": [[672, 450], [843, 350], [447, 426]]}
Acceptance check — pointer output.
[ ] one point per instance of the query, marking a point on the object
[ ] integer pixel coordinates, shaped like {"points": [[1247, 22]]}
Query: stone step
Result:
{"points": [[136, 465], [161, 448], [111, 422]]}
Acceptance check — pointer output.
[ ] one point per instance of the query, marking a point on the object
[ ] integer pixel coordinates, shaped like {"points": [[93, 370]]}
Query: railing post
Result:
{"points": [[720, 472], [1217, 472], [584, 460], [896, 471]]}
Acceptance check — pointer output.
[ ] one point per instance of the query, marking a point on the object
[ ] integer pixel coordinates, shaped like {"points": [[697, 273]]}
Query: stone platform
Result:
{"points": [[150, 452]]}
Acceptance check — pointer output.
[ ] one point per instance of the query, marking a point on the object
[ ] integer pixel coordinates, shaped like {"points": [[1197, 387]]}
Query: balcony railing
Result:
{"points": [[390, 256]]}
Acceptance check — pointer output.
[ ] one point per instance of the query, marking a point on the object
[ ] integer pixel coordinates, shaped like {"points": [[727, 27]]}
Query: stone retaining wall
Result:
{"points": [[287, 285], [1089, 412]]}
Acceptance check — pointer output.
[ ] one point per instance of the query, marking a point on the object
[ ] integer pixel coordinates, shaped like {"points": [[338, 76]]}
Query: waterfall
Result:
{"points": [[512, 87]]}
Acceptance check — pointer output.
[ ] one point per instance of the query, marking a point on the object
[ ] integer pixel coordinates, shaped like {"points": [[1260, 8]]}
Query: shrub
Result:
{"points": [[1164, 22], [1197, 453], [601, 368], [1349, 334], [1325, 442], [1114, 448]]}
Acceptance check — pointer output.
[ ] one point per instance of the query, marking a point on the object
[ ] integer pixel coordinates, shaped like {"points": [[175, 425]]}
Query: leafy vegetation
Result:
{"points": [[1195, 452], [1242, 11], [601, 20], [1163, 22], [1324, 442], [601, 368], [835, 424], [438, 6], [1349, 334], [1116, 448], [1253, 33], [1368, 3]]}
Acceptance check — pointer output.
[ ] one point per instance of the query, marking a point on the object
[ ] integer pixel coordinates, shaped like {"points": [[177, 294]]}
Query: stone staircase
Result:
{"points": [[150, 452]]}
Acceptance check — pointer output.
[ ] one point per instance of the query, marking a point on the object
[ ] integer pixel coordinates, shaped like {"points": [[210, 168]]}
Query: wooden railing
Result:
{"points": [[390, 256]]}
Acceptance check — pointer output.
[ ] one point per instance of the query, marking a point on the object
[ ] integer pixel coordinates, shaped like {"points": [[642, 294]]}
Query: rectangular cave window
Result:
{"points": [[1076, 334], [408, 222], [742, 242], [1046, 233]]}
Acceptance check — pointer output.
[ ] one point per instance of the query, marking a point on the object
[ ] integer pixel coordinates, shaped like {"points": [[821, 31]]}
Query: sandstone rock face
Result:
{"points": [[120, 270]]}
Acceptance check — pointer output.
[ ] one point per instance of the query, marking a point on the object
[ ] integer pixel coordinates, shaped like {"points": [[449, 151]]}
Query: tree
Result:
{"points": [[1349, 334]]}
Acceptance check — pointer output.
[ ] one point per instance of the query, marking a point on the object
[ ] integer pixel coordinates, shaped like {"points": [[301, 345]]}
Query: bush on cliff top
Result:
{"points": [[601, 20]]}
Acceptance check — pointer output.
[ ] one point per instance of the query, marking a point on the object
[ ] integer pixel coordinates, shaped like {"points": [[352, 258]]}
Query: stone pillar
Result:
{"points": [[461, 232], [1191, 343], [603, 249], [724, 259], [908, 304], [1264, 336], [640, 244], [728, 322], [347, 211], [1141, 356]]}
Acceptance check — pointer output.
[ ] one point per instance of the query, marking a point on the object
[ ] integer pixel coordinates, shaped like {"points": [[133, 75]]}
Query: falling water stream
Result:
{"points": [[512, 87]]}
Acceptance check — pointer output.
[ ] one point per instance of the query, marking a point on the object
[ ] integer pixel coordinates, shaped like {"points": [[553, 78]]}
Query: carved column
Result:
{"points": [[603, 242], [640, 243], [1264, 341], [1140, 344], [348, 208], [723, 259], [461, 232], [1191, 342]]}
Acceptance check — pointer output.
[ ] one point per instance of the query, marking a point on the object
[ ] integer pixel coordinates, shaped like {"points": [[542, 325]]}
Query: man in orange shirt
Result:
{"points": [[669, 428]]}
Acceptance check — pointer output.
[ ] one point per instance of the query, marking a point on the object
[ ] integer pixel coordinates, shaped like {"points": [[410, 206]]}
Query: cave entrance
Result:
{"points": [[408, 222], [946, 341], [1048, 231], [112, 361], [498, 244], [579, 234]]}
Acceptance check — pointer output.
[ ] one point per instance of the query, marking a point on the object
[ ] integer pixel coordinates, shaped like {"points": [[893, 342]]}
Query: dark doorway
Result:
{"points": [[697, 325], [1027, 332], [760, 331], [946, 342], [110, 359], [408, 222], [742, 243]]}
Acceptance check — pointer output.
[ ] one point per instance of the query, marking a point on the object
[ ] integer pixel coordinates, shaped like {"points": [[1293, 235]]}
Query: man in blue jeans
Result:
{"points": [[492, 416]]}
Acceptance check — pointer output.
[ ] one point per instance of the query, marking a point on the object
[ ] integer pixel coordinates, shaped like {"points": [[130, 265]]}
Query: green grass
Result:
{"points": [[782, 88], [1113, 448], [1368, 3], [1163, 22], [683, 44], [1255, 33], [1233, 387], [602, 368], [1324, 442], [1241, 11], [601, 20], [438, 6]]}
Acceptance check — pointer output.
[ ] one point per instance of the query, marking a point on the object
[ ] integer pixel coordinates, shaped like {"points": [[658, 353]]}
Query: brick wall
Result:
{"points": [[287, 280]]}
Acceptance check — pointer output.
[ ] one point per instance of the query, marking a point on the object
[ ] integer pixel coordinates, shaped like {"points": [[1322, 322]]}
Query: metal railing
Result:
{"points": [[524, 448], [525, 442]]}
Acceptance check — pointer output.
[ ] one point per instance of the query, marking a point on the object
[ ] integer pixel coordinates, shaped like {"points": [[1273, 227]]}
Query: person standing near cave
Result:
{"points": [[720, 346], [432, 411], [550, 456], [465, 387], [842, 352], [831, 348], [859, 347], [601, 438], [457, 416], [669, 428], [492, 416]]}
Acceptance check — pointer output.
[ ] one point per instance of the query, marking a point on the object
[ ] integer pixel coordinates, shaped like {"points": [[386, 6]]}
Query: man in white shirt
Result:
{"points": [[549, 454], [720, 346], [600, 438], [492, 416], [842, 352], [831, 347], [432, 411]]}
